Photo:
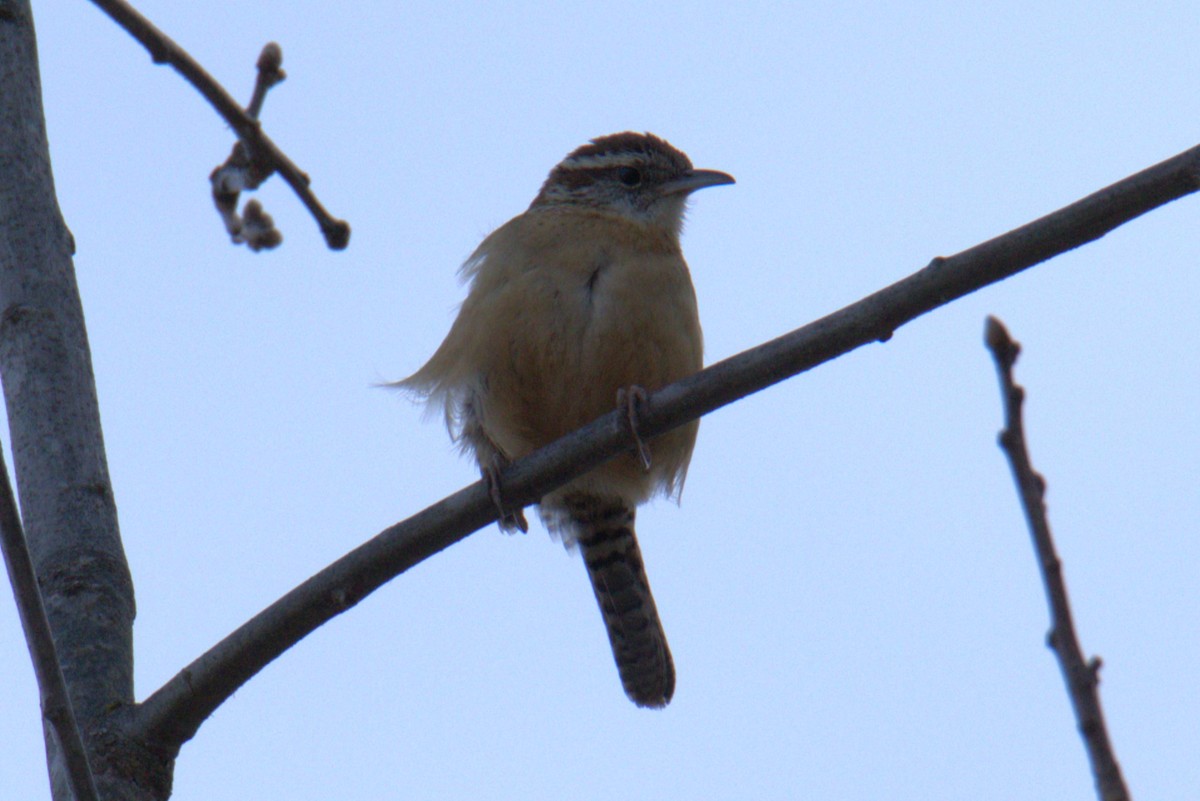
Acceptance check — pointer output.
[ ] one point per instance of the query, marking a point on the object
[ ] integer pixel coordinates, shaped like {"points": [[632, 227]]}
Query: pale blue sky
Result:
{"points": [[848, 587]]}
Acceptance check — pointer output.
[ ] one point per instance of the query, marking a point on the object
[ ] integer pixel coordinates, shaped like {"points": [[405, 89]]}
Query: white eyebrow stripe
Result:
{"points": [[603, 160]]}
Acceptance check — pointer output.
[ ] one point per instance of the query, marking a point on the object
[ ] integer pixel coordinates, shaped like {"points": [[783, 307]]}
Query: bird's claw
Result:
{"points": [[509, 520], [628, 399]]}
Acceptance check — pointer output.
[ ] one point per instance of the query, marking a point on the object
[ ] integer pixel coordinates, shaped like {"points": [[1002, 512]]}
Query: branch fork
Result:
{"points": [[248, 167], [255, 157]]}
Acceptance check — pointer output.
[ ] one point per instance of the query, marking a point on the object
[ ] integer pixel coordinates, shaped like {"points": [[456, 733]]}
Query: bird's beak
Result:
{"points": [[696, 179]]}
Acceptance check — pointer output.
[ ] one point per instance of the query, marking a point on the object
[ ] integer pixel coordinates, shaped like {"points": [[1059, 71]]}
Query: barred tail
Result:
{"points": [[604, 532]]}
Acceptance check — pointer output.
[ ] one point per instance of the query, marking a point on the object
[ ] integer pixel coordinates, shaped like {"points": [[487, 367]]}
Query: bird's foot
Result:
{"points": [[510, 520], [628, 400]]}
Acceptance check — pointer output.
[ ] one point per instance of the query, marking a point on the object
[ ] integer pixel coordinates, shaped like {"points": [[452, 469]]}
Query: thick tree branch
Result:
{"points": [[262, 151], [1082, 677], [56, 701], [68, 516], [172, 715], [67, 509]]}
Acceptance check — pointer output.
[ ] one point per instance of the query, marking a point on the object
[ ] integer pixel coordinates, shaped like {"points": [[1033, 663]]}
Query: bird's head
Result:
{"points": [[639, 176]]}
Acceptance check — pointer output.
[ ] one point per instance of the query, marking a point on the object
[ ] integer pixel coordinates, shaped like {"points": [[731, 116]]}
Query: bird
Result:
{"points": [[582, 304]]}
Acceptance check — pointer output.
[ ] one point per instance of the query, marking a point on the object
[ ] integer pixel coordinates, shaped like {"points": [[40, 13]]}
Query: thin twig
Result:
{"points": [[56, 701], [1082, 677], [243, 171], [261, 150], [270, 73], [173, 714]]}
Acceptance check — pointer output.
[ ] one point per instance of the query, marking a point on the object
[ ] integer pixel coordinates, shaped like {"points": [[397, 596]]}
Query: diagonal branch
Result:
{"points": [[173, 713], [164, 50], [1082, 677], [56, 701]]}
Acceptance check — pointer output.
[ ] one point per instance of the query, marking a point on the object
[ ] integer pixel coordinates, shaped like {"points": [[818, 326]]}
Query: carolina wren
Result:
{"points": [[583, 299]]}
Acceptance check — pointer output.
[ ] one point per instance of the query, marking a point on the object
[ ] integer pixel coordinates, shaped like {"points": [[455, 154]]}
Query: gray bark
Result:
{"points": [[54, 422]]}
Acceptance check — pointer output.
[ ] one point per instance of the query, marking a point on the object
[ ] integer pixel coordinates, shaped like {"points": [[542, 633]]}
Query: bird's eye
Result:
{"points": [[630, 176]]}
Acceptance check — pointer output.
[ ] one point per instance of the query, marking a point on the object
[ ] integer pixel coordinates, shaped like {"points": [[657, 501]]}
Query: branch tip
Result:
{"points": [[269, 75], [1002, 346], [1079, 676], [271, 59], [337, 234]]}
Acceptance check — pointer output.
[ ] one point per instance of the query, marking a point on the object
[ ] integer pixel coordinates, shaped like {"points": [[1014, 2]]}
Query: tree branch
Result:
{"points": [[173, 714], [67, 511], [56, 701], [1082, 678], [262, 152], [241, 171]]}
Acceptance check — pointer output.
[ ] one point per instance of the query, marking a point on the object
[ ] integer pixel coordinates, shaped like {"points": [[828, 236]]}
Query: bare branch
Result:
{"points": [[1082, 677], [173, 714], [261, 152], [67, 513], [242, 171], [56, 701]]}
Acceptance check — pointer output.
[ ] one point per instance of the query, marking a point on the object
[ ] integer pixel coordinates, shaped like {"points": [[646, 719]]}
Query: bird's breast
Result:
{"points": [[593, 305]]}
